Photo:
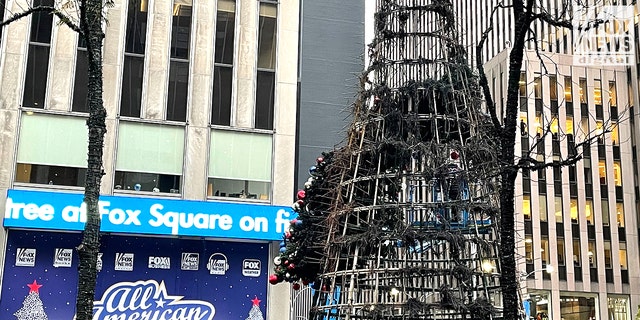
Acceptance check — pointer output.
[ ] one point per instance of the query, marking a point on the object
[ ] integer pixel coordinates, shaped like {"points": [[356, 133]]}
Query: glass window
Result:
{"points": [[617, 308], [587, 175], [267, 36], [623, 255], [265, 88], [588, 211], [178, 90], [181, 29], [578, 308], [133, 69], [132, 75], [597, 92], [225, 31], [553, 88], [540, 305], [605, 212], [52, 150], [222, 86], [617, 173], [537, 87], [240, 165], [136, 26], [583, 90], [620, 214], [544, 251], [179, 62], [607, 255], [38, 57], [615, 138], [574, 211], [150, 157], [576, 253], [561, 253], [523, 84], [528, 249], [41, 23], [602, 172], [539, 124], [523, 123], [553, 126], [265, 99], [558, 209], [569, 125], [223, 73], [150, 182], [613, 96], [592, 255], [567, 89], [542, 201], [53, 140], [51, 175], [36, 77], [81, 79], [526, 207]]}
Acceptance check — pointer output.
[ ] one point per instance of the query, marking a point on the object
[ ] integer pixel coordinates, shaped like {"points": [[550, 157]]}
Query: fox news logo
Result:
{"points": [[26, 257], [159, 263], [251, 268], [63, 257], [190, 261], [603, 35], [124, 261], [218, 264]]}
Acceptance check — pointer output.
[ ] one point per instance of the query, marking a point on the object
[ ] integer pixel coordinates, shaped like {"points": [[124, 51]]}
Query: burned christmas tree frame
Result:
{"points": [[401, 223]]}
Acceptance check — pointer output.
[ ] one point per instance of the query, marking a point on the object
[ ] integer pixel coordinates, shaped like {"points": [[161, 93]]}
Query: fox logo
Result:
{"points": [[63, 257], [124, 261], [26, 257]]}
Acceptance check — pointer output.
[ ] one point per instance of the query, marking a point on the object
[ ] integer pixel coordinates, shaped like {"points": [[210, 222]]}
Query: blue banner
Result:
{"points": [[140, 278], [66, 211]]}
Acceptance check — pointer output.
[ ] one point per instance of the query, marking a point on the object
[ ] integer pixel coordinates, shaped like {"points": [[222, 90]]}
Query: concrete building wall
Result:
{"points": [[546, 235], [197, 127], [331, 60]]}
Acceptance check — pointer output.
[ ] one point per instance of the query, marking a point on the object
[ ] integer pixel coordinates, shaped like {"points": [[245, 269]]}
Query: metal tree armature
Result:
{"points": [[411, 223]]}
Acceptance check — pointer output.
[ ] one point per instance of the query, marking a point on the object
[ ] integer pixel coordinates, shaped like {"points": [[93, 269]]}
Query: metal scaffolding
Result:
{"points": [[412, 220]]}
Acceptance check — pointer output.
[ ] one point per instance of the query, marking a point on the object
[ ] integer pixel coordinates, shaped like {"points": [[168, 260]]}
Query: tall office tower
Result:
{"points": [[581, 220], [412, 220]]}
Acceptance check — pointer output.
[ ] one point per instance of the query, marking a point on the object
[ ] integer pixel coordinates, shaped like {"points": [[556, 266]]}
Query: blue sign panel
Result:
{"points": [[140, 278], [66, 211]]}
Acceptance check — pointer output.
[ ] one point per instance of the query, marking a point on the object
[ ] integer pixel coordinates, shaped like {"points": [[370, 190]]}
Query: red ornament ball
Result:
{"points": [[301, 194], [296, 286], [291, 266], [326, 288], [273, 279], [454, 155], [319, 160]]}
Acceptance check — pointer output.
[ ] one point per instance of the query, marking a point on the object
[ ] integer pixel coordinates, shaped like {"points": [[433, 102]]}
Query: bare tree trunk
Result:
{"points": [[91, 24], [510, 277]]}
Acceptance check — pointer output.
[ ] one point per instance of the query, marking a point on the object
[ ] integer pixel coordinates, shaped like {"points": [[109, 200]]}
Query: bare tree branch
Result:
{"points": [[47, 9]]}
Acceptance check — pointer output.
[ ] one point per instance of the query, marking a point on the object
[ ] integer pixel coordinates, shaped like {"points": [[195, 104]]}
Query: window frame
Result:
{"points": [[219, 65], [174, 59]]}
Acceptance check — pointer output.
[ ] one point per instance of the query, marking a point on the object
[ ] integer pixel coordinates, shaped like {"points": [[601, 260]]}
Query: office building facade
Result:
{"points": [[581, 219], [198, 162]]}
